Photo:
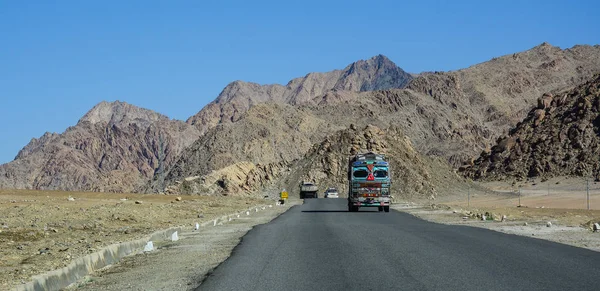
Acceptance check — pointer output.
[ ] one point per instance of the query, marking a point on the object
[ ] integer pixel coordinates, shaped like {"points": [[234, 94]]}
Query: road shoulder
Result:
{"points": [[555, 228], [183, 264]]}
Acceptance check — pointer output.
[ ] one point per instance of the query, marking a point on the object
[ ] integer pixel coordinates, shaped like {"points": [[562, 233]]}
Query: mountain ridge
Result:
{"points": [[237, 97], [262, 130]]}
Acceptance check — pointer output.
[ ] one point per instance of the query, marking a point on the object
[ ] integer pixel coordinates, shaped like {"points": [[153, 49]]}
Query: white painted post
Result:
{"points": [[149, 247]]}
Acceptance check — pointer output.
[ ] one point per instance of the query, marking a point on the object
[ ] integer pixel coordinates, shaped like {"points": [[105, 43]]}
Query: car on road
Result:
{"points": [[331, 193]]}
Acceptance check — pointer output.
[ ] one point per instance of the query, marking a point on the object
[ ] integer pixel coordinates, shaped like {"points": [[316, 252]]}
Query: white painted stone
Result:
{"points": [[483, 217], [197, 226], [256, 209], [503, 218], [215, 223], [548, 224], [229, 218], [596, 227], [247, 212], [270, 206], [149, 247], [174, 236], [238, 216]]}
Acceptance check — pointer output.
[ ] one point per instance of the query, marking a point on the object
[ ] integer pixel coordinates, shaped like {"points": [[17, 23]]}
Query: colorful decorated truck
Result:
{"points": [[369, 181]]}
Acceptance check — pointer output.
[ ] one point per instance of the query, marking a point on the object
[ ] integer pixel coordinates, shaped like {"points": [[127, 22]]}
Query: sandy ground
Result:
{"points": [[42, 231], [180, 265], [45, 230], [554, 210]]}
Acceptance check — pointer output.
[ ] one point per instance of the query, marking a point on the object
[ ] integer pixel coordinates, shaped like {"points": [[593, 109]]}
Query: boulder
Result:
{"points": [[545, 101]]}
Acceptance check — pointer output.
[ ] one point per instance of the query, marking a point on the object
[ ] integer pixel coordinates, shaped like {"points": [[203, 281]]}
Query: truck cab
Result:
{"points": [[369, 182]]}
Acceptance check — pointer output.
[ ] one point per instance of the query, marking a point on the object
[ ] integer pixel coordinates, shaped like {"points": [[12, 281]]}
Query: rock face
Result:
{"points": [[499, 93], [326, 163], [561, 136], [115, 147], [376, 73], [267, 134]]}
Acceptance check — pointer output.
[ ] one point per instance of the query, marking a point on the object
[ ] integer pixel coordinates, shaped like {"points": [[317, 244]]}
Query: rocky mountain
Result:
{"points": [[256, 137], [115, 147], [453, 115], [377, 73], [506, 87], [560, 136], [268, 133], [325, 163]]}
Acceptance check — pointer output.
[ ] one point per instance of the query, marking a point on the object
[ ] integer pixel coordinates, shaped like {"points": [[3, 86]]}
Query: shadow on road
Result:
{"points": [[324, 211]]}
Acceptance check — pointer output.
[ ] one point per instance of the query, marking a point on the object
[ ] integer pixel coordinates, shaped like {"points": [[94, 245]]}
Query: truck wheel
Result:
{"points": [[386, 208], [380, 208]]}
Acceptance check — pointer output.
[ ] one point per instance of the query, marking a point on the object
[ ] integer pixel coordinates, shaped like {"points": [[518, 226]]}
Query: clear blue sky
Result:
{"points": [[60, 58]]}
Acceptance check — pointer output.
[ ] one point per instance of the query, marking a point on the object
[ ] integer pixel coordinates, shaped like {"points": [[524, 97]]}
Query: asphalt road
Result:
{"points": [[320, 246]]}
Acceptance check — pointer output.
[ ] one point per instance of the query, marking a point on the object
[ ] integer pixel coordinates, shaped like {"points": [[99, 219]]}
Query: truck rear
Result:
{"points": [[308, 190], [369, 181]]}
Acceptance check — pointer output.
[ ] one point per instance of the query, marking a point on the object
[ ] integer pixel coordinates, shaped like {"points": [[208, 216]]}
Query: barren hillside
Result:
{"points": [[376, 73], [115, 147], [561, 136], [325, 163], [265, 131]]}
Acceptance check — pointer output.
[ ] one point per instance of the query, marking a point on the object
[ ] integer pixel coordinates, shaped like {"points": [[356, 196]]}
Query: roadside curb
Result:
{"points": [[79, 268]]}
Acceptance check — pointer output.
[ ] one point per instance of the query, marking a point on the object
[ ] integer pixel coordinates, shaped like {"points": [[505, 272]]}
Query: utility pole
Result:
{"points": [[587, 188]]}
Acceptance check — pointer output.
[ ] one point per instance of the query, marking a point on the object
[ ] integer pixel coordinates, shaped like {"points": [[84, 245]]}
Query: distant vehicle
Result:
{"points": [[331, 192], [369, 181], [308, 190]]}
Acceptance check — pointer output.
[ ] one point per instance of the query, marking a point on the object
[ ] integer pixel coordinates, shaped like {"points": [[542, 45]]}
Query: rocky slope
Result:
{"points": [[376, 73], [115, 147], [561, 136], [506, 87], [326, 164], [453, 115], [267, 134]]}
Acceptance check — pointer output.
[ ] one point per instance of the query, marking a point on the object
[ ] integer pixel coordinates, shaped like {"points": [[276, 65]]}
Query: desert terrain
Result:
{"points": [[45, 230], [554, 210], [42, 231]]}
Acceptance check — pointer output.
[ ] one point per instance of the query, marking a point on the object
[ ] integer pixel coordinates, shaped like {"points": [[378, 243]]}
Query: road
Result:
{"points": [[320, 246]]}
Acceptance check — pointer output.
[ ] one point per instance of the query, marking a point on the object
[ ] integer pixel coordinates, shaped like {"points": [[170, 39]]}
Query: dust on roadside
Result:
{"points": [[566, 226], [180, 265], [41, 231]]}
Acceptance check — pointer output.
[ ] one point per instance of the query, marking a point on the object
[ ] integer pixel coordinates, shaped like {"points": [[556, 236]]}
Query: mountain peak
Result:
{"points": [[381, 58], [376, 73], [117, 112]]}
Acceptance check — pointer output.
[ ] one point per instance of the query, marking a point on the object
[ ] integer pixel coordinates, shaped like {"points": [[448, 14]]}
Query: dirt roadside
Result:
{"points": [[41, 231], [180, 265], [558, 217]]}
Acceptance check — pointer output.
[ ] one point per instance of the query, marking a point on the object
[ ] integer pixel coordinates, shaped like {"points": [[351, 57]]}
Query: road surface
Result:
{"points": [[321, 246]]}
